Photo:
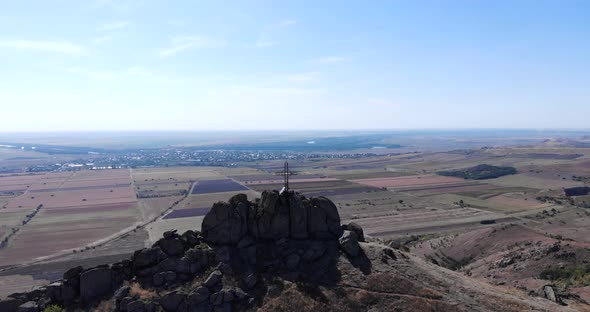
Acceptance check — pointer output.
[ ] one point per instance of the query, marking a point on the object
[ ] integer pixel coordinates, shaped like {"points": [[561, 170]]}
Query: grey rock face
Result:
{"points": [[124, 302], [298, 217], [354, 227], [148, 257], [173, 246], [250, 280], [198, 296], [30, 306], [274, 217], [136, 306], [170, 233], [73, 273], [323, 219], [292, 261], [173, 301], [53, 291], [164, 277], [349, 243], [213, 279], [224, 307], [69, 292], [271, 219], [216, 298], [95, 283], [314, 251], [225, 224], [122, 292], [550, 293], [10, 304], [237, 199]]}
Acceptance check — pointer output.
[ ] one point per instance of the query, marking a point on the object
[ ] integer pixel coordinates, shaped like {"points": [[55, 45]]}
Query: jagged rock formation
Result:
{"points": [[275, 216], [283, 252], [180, 256], [278, 232]]}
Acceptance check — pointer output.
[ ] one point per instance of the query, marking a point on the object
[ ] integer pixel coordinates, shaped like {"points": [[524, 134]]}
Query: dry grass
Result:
{"points": [[364, 298], [105, 306], [201, 277], [143, 294], [292, 300]]}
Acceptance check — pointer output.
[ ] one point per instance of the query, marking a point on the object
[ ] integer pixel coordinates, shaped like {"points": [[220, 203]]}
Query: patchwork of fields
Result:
{"points": [[389, 196], [59, 212]]}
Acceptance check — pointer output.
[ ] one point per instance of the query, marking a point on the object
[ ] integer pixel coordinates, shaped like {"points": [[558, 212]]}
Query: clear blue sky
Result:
{"points": [[233, 65]]}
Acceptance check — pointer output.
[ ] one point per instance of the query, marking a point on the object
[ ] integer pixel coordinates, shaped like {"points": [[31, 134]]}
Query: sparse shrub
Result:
{"points": [[291, 300], [54, 308], [578, 276], [105, 306], [143, 294]]}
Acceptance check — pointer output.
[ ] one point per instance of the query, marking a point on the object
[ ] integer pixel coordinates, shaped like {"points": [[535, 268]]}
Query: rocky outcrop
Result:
{"points": [[274, 217], [226, 223], [95, 283], [172, 260], [551, 294], [350, 244], [314, 264], [354, 227], [284, 232], [286, 235]]}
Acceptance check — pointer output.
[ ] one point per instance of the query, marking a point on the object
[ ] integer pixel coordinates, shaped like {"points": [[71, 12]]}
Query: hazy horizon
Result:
{"points": [[102, 65]]}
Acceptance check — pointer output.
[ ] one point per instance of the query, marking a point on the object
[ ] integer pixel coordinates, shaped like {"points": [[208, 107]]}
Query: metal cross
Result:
{"points": [[286, 173]]}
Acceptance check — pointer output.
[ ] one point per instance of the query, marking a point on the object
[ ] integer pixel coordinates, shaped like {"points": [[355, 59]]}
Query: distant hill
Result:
{"points": [[565, 142], [480, 172]]}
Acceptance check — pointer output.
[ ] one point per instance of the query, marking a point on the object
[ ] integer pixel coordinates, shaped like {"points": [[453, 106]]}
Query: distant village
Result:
{"points": [[181, 157]]}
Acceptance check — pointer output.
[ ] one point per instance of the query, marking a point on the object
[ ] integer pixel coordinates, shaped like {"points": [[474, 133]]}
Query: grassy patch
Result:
{"points": [[572, 276], [54, 308], [142, 293]]}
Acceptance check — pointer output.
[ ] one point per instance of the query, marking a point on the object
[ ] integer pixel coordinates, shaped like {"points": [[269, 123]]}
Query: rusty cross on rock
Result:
{"points": [[286, 173]]}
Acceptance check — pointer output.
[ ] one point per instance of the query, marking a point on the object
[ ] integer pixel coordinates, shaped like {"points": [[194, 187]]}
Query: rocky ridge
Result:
{"points": [[282, 252]]}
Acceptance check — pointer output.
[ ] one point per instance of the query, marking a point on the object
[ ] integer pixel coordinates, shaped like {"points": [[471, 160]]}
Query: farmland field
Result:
{"points": [[70, 210], [110, 213], [217, 186], [410, 181]]}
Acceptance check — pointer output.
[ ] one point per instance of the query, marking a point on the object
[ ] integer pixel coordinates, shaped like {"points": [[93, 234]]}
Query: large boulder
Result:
{"points": [[172, 246], [53, 291], [355, 227], [136, 306], [70, 288], [199, 296], [551, 294], [271, 219], [197, 258], [148, 257], [73, 273], [95, 283], [173, 302], [213, 279], [350, 244], [30, 306], [323, 219], [225, 224], [10, 304]]}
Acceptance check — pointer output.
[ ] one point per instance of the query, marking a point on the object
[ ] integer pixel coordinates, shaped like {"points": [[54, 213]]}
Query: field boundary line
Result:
{"points": [[101, 242]]}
